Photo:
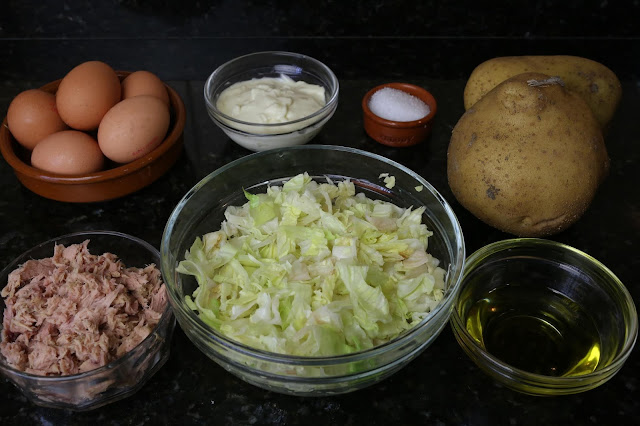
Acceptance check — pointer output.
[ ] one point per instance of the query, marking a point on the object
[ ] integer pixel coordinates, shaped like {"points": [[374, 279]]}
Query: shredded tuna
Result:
{"points": [[75, 311]]}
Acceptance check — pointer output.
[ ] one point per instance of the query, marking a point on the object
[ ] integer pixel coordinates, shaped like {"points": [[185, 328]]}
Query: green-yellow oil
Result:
{"points": [[536, 330]]}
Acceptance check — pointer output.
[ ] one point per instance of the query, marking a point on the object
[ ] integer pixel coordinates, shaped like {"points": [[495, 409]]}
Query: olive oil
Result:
{"points": [[536, 329]]}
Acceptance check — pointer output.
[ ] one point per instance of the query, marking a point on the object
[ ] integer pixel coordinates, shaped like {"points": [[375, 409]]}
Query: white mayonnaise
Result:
{"points": [[271, 100]]}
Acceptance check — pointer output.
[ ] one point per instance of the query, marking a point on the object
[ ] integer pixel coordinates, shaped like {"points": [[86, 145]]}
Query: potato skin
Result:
{"points": [[527, 160], [591, 80]]}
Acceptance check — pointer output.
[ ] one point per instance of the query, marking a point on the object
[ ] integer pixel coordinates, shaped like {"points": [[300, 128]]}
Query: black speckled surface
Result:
{"points": [[434, 44]]}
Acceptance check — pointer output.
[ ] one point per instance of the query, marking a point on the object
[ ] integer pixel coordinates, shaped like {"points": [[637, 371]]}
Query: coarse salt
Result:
{"points": [[397, 105]]}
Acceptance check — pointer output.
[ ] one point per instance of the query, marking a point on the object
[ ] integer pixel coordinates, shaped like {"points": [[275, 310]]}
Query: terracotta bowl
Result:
{"points": [[115, 181], [399, 133]]}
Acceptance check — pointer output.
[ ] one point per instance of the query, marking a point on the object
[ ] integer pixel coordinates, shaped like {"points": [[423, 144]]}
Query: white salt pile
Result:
{"points": [[396, 105]]}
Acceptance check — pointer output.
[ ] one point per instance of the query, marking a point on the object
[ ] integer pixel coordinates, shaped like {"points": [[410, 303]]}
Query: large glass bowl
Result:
{"points": [[121, 377], [543, 318], [201, 211], [258, 136]]}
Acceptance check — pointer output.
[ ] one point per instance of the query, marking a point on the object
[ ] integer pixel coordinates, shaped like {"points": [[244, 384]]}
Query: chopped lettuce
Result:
{"points": [[314, 269]]}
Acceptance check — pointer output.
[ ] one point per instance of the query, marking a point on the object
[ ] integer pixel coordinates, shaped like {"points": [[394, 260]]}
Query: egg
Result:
{"points": [[69, 152], [133, 128], [32, 116], [86, 93], [144, 83]]}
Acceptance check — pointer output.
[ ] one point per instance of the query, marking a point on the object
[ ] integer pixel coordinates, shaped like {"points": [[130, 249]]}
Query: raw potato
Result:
{"points": [[591, 80], [527, 159]]}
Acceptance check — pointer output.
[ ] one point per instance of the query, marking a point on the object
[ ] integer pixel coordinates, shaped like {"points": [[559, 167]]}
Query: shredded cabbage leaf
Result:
{"points": [[313, 269]]}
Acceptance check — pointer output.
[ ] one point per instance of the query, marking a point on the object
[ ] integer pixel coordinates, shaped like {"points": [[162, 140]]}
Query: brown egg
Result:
{"points": [[69, 152], [32, 116], [133, 128], [86, 93], [144, 83]]}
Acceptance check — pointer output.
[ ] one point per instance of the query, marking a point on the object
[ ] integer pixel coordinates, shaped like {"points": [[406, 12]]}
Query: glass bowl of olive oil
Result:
{"points": [[543, 318]]}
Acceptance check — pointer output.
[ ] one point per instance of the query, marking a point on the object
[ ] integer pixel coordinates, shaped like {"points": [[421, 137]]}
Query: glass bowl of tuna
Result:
{"points": [[85, 319], [267, 100], [312, 270]]}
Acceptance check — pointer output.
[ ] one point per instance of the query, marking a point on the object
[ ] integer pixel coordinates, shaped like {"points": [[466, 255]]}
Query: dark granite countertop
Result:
{"points": [[441, 386]]}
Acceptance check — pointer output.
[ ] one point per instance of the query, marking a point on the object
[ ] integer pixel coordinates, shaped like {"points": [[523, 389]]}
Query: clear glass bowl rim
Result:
{"points": [[166, 315], [455, 271], [211, 83], [532, 379]]}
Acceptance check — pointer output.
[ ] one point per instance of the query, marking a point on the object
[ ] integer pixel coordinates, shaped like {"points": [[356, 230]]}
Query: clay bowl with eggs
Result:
{"points": [[114, 180]]}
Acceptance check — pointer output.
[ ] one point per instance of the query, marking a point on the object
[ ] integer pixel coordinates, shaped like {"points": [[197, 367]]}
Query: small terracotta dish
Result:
{"points": [[113, 182], [399, 133]]}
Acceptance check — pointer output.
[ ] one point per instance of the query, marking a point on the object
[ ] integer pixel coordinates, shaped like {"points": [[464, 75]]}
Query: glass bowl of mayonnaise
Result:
{"points": [[268, 100]]}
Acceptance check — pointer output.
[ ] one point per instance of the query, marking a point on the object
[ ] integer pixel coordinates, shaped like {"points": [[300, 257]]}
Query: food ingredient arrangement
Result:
{"points": [[92, 121], [314, 269], [308, 268], [76, 311]]}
